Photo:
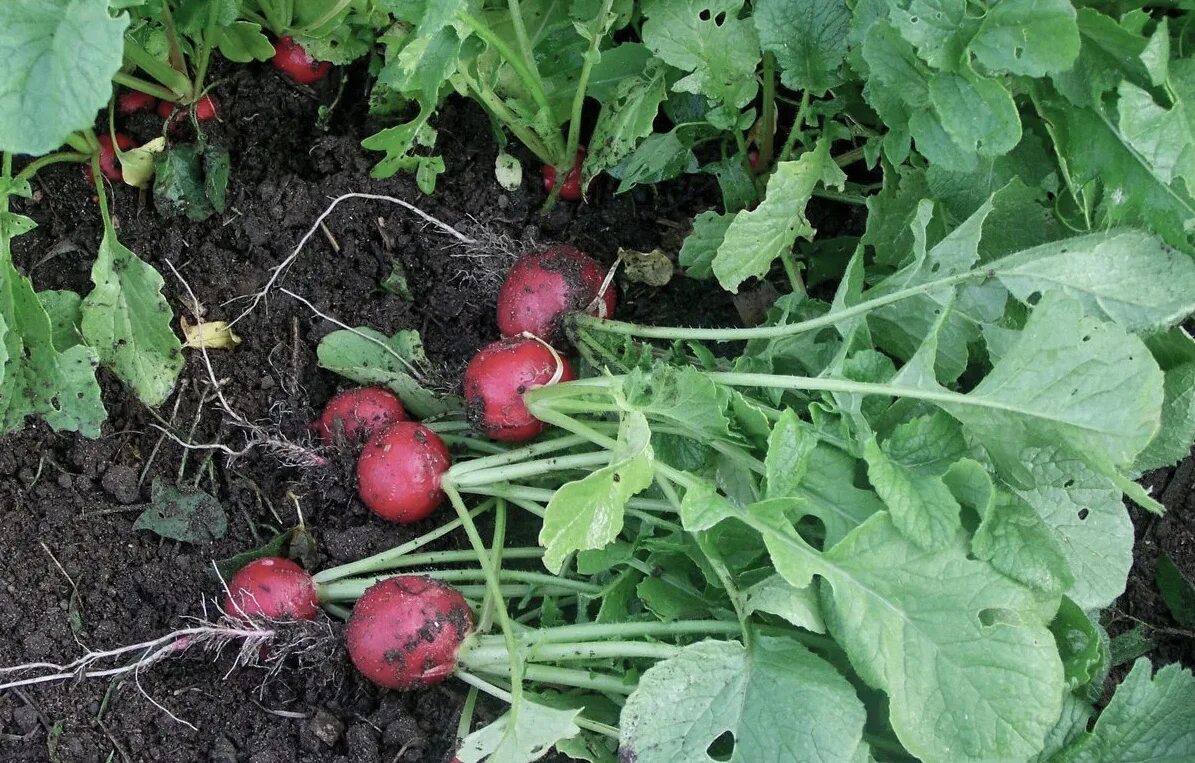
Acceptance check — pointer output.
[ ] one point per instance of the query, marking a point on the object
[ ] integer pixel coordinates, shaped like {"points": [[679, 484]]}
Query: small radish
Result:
{"points": [[398, 474], [405, 631], [272, 587], [496, 379], [358, 413], [109, 164], [543, 287], [132, 101], [292, 60], [206, 109], [570, 189]]}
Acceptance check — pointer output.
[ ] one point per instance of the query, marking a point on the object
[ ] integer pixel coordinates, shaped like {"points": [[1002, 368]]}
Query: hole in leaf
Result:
{"points": [[705, 14], [935, 267], [720, 19], [1034, 298], [1087, 338], [1083, 512], [722, 748], [996, 615], [1068, 484]]}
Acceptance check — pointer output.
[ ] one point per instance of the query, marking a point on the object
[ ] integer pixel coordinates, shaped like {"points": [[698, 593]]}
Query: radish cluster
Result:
{"points": [[134, 101]]}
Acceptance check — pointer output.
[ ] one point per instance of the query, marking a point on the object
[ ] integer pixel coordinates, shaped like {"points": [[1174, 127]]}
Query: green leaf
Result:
{"points": [[1177, 591], [587, 513], [36, 378], [243, 41], [977, 113], [522, 734], [1164, 140], [127, 320], [828, 492], [627, 117], [708, 39], [191, 517], [1080, 643], [1062, 382], [921, 505], [1108, 53], [940, 30], [757, 237], [65, 311], [59, 58], [368, 356], [697, 253], [1129, 277], [779, 700], [1087, 518], [217, 165], [969, 666], [775, 596], [1109, 179], [1148, 719], [1173, 441], [179, 183], [1029, 37], [661, 156], [790, 448], [808, 39], [684, 398]]}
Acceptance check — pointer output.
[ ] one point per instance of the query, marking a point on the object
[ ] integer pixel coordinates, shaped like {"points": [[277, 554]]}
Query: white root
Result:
{"points": [[280, 269]]}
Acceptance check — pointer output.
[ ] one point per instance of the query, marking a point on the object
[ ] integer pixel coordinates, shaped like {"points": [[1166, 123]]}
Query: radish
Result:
{"points": [[292, 60], [272, 587], [206, 109], [496, 379], [399, 472], [543, 287], [133, 101], [570, 189], [405, 631], [358, 413], [109, 165]]}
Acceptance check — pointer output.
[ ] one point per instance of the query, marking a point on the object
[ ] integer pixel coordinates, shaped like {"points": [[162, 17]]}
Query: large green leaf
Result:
{"points": [[59, 57], [779, 701], [627, 117], [1029, 37], [127, 320], [520, 735], [964, 654]]}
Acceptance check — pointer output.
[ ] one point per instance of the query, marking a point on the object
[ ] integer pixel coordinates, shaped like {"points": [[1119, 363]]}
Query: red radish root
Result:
{"points": [[109, 164], [358, 413], [570, 189], [405, 631], [543, 287], [399, 472], [272, 587], [292, 60], [133, 101], [496, 379]]}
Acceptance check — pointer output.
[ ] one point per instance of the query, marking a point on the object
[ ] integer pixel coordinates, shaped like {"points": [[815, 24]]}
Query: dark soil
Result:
{"points": [[70, 501], [73, 572]]}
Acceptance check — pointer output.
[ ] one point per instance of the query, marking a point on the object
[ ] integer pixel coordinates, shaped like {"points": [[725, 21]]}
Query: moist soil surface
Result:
{"points": [[73, 572]]}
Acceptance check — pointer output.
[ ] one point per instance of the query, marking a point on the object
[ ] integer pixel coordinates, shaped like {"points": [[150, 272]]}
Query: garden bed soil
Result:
{"points": [[72, 570]]}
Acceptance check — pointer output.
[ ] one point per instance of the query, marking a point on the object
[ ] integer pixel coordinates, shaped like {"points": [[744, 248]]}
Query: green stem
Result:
{"points": [[516, 20], [396, 556], [352, 589], [590, 322], [145, 86], [472, 443], [337, 611], [498, 693], [578, 679], [574, 123], [42, 162], [84, 142], [597, 631], [492, 102], [517, 62], [768, 114], [794, 274], [798, 124], [434, 558], [845, 198], [514, 456], [492, 582], [850, 157], [179, 85], [466, 720], [485, 654], [497, 553], [531, 469], [205, 48]]}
